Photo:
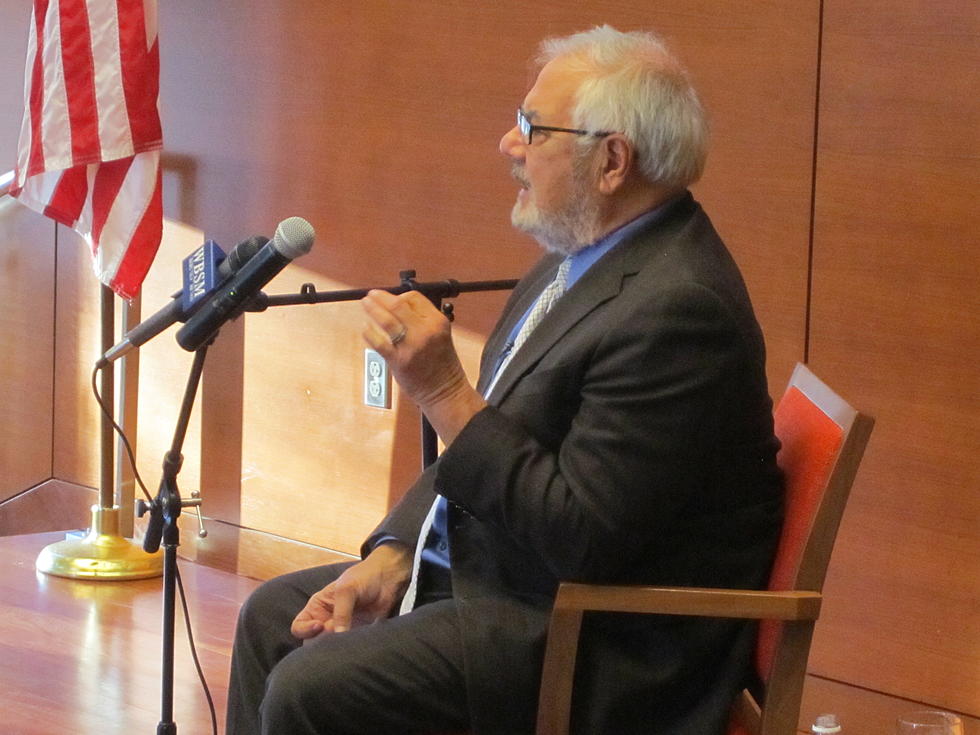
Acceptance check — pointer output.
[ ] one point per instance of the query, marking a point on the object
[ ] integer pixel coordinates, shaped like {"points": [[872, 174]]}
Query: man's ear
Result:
{"points": [[617, 157]]}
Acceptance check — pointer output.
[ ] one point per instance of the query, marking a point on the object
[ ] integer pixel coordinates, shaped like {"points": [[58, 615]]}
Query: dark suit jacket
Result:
{"points": [[630, 440]]}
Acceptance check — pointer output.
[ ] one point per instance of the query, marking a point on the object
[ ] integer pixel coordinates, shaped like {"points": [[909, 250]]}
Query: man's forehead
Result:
{"points": [[553, 91]]}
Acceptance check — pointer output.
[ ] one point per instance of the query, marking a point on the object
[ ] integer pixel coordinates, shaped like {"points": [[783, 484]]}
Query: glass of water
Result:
{"points": [[928, 722]]}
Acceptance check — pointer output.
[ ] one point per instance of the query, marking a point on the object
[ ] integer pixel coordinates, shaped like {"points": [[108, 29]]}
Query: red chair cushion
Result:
{"points": [[811, 441]]}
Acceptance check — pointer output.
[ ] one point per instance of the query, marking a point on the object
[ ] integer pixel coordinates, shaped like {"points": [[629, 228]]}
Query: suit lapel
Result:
{"points": [[594, 288]]}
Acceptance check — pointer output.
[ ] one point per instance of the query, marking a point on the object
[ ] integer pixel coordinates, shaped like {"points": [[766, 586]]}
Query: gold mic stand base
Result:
{"points": [[102, 554]]}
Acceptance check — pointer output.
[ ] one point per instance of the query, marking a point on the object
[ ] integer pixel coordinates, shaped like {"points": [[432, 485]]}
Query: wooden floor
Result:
{"points": [[84, 657]]}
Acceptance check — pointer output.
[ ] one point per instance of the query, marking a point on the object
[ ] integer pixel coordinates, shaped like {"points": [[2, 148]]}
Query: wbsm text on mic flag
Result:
{"points": [[89, 149]]}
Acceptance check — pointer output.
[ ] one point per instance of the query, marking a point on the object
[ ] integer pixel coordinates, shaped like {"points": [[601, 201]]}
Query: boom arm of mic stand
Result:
{"points": [[435, 291]]}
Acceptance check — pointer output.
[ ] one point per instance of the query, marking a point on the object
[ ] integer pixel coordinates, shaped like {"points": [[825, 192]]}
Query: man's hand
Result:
{"points": [[415, 340], [365, 592]]}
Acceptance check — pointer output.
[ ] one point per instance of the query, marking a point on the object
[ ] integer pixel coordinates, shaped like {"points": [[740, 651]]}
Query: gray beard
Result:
{"points": [[574, 227]]}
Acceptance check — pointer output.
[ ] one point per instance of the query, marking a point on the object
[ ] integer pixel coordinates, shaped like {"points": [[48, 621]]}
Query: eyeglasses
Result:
{"points": [[527, 128]]}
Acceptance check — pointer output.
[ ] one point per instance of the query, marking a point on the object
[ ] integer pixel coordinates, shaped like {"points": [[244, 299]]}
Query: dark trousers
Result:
{"points": [[400, 675]]}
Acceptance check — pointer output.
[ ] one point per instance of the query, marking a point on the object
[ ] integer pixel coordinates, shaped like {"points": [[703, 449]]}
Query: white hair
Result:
{"points": [[635, 86]]}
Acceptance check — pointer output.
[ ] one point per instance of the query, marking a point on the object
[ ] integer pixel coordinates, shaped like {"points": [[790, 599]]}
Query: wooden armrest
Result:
{"points": [[574, 599], [755, 604]]}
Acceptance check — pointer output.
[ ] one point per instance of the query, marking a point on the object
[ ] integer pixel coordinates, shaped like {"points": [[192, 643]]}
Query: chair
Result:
{"points": [[823, 440]]}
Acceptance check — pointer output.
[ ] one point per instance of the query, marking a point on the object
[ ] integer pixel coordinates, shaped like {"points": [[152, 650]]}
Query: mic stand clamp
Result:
{"points": [[164, 510]]}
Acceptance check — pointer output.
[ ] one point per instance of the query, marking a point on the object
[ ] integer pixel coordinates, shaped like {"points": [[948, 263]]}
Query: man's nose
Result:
{"points": [[512, 144]]}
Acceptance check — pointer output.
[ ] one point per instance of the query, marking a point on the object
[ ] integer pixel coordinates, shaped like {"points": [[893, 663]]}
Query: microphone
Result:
{"points": [[201, 279], [294, 237]]}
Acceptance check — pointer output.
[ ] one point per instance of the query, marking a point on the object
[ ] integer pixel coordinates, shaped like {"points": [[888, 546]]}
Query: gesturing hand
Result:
{"points": [[415, 340], [365, 592]]}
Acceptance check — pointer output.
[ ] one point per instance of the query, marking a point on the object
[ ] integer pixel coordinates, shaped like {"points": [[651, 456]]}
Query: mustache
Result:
{"points": [[517, 172]]}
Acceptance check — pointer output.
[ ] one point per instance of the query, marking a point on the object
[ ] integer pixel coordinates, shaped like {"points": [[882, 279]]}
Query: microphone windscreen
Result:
{"points": [[293, 238]]}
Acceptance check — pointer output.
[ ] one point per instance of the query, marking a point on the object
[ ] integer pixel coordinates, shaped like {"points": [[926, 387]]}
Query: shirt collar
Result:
{"points": [[587, 256]]}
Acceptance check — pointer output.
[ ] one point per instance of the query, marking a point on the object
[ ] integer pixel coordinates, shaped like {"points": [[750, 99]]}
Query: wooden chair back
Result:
{"points": [[823, 439]]}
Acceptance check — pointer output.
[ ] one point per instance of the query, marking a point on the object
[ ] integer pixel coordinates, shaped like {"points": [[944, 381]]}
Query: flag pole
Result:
{"points": [[103, 554]]}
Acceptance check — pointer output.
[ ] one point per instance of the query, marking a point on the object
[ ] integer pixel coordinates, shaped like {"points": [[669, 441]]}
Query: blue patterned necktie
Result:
{"points": [[552, 292]]}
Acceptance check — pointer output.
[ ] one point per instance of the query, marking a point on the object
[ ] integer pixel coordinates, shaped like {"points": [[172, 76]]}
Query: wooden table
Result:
{"points": [[79, 656]]}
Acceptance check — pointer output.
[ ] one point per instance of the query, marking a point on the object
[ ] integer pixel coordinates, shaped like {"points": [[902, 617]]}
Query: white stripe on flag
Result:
{"points": [[55, 128], [125, 215], [26, 137], [115, 137], [38, 190]]}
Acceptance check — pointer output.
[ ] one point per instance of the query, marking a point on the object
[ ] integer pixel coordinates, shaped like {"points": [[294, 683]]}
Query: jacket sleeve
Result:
{"points": [[404, 521]]}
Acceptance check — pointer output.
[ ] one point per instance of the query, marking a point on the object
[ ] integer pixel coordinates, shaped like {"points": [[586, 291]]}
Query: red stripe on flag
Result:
{"points": [[140, 75], [121, 211], [108, 181], [66, 201], [35, 162], [143, 246], [79, 70]]}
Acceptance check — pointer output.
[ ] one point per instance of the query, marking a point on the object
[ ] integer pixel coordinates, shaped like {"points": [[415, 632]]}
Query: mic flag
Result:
{"points": [[200, 274], [294, 237], [204, 270]]}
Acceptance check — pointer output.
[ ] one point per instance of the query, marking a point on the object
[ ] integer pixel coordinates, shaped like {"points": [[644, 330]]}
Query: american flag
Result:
{"points": [[89, 151]]}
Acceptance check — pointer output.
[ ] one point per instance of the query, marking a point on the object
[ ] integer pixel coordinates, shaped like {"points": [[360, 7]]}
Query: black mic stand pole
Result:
{"points": [[435, 291], [164, 511]]}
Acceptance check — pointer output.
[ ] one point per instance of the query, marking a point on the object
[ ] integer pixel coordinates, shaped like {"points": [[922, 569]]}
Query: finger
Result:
{"points": [[377, 339], [379, 307], [406, 308], [304, 627], [383, 299], [382, 332], [413, 309], [414, 303], [343, 608], [309, 621]]}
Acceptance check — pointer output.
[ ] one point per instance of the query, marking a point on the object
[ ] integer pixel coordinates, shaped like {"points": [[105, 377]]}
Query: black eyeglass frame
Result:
{"points": [[527, 128]]}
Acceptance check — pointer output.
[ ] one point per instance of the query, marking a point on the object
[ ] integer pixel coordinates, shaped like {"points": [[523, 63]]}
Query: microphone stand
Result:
{"points": [[435, 291], [164, 511], [166, 507]]}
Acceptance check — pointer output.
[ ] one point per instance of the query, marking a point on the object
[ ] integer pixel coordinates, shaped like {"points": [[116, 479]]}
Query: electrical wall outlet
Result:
{"points": [[377, 380]]}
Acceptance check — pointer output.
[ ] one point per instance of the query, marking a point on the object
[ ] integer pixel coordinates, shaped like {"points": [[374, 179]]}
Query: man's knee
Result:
{"points": [[300, 690], [261, 609], [274, 603]]}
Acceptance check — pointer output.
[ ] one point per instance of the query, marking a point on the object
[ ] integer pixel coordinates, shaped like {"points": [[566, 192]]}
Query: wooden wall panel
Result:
{"points": [[13, 50], [756, 67], [27, 335], [78, 341], [379, 123], [52, 505], [896, 328], [27, 278]]}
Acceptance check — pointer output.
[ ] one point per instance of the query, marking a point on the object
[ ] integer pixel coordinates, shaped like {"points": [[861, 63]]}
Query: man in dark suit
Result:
{"points": [[621, 431]]}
